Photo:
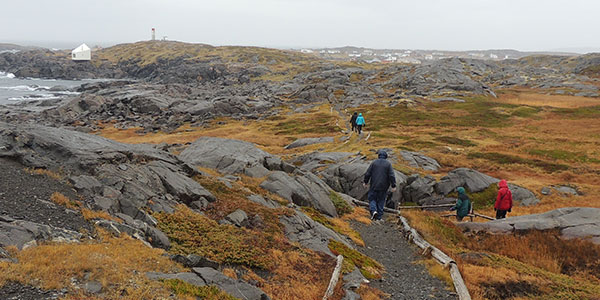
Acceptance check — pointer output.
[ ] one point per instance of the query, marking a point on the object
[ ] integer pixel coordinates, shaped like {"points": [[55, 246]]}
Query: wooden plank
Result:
{"points": [[440, 257], [459, 284], [426, 206], [334, 277]]}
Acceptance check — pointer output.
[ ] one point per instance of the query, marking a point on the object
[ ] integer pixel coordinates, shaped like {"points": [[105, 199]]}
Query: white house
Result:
{"points": [[81, 53]]}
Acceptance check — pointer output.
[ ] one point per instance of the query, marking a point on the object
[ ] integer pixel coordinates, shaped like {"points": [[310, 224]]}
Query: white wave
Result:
{"points": [[35, 97], [7, 75], [22, 88]]}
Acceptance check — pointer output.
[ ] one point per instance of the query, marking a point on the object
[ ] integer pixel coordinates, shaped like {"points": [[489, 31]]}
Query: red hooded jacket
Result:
{"points": [[504, 199]]}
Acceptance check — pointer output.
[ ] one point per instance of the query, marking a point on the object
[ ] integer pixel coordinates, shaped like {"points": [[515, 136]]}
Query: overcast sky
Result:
{"points": [[418, 24]]}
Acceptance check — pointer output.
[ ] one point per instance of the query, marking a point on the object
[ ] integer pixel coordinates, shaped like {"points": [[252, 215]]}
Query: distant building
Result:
{"points": [[81, 53], [428, 57], [306, 51], [333, 51], [493, 56]]}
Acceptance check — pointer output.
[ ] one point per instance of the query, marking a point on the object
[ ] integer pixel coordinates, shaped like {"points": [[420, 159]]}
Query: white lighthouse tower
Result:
{"points": [[153, 34]]}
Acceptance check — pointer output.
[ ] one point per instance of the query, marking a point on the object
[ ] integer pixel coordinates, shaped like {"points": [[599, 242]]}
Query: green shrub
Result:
{"points": [[341, 206]]}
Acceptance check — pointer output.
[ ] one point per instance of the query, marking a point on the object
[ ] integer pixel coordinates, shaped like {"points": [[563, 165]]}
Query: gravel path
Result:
{"points": [[17, 291], [404, 278], [26, 196]]}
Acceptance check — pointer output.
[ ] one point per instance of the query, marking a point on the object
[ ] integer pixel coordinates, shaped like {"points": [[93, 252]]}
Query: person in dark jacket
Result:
{"points": [[353, 121], [360, 122], [380, 174], [463, 205], [504, 200]]}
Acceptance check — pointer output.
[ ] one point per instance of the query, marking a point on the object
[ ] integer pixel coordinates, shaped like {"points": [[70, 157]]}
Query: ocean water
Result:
{"points": [[14, 90]]}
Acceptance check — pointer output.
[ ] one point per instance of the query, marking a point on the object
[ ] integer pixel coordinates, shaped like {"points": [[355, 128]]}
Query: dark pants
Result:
{"points": [[500, 214], [377, 202], [359, 128], [353, 127], [459, 218]]}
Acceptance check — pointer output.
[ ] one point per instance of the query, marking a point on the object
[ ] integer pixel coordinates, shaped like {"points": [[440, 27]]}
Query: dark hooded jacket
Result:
{"points": [[463, 205], [381, 174], [504, 199], [353, 119]]}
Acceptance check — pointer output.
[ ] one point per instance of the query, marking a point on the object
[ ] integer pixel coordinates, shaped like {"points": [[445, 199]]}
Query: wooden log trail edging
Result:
{"points": [[412, 235], [440, 257], [334, 277], [426, 206]]}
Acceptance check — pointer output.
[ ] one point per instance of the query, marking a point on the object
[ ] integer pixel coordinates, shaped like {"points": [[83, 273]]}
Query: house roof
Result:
{"points": [[81, 48]]}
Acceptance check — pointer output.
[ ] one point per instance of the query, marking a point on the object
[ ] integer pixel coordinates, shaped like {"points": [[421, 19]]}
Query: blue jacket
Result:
{"points": [[360, 120], [381, 174]]}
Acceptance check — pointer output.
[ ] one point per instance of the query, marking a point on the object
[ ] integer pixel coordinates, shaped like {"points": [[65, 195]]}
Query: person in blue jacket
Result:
{"points": [[380, 174], [360, 122]]}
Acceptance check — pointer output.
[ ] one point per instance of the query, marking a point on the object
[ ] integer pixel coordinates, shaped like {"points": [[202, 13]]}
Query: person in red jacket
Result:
{"points": [[503, 200]]}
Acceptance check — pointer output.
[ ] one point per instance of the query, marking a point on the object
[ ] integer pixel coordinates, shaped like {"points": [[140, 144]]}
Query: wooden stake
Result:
{"points": [[334, 277]]}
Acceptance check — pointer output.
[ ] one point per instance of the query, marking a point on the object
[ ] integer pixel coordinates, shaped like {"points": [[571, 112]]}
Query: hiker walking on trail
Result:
{"points": [[353, 121], [380, 174], [503, 200], [463, 205], [360, 122]]}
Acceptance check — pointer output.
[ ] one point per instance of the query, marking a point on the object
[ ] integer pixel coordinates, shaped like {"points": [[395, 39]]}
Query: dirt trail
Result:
{"points": [[404, 278]]}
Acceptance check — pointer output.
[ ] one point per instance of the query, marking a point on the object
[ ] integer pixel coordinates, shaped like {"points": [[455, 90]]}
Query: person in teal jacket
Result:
{"points": [[463, 205], [360, 122]]}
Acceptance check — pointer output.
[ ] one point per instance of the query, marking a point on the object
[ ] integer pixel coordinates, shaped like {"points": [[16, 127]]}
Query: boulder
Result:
{"points": [[546, 191], [309, 141], [302, 189], [566, 190], [418, 188], [189, 277], [473, 180], [522, 195], [418, 160], [572, 222], [227, 156], [234, 287], [309, 233], [238, 218], [118, 178], [179, 185], [262, 201], [192, 261], [21, 233], [312, 161]]}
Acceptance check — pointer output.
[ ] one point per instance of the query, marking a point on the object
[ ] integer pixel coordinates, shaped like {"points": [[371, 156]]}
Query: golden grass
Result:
{"points": [[63, 200], [535, 98], [368, 293], [438, 271], [119, 264], [45, 172], [89, 214], [527, 264]]}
